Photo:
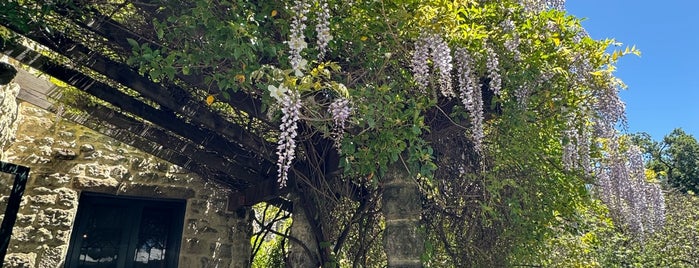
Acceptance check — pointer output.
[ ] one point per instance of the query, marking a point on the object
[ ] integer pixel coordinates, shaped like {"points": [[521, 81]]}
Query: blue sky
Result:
{"points": [[663, 83]]}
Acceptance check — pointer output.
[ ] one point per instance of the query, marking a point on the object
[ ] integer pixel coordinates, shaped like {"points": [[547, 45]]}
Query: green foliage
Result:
{"points": [[269, 243], [592, 240], [674, 160], [512, 203]]}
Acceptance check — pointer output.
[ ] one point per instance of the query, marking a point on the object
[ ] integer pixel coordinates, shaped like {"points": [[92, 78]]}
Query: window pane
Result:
{"points": [[152, 237], [102, 238]]}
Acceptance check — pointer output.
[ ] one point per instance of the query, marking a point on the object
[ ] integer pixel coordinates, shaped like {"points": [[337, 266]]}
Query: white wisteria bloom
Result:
{"points": [[303, 64], [277, 92], [297, 43]]}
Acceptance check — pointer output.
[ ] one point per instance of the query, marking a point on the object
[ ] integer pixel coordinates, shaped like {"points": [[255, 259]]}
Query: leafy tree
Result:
{"points": [[459, 133], [675, 159]]}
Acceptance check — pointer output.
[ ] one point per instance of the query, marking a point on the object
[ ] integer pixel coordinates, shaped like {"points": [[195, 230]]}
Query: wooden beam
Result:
{"points": [[168, 120], [237, 170], [172, 98], [118, 35]]}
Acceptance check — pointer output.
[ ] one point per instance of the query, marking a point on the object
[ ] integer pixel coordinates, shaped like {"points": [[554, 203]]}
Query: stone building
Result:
{"points": [[91, 200]]}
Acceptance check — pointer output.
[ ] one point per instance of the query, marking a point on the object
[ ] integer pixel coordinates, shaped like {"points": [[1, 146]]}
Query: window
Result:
{"points": [[117, 232], [13, 179]]}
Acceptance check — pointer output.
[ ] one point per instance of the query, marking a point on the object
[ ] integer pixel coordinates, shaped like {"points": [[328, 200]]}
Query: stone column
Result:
{"points": [[401, 206], [8, 106], [241, 233], [303, 252]]}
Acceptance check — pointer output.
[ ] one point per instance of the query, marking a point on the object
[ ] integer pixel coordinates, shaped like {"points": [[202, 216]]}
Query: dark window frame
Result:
{"points": [[18, 186], [134, 206]]}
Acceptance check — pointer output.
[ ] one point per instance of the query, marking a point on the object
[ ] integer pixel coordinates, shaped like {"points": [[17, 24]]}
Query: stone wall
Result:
{"points": [[66, 159], [8, 114]]}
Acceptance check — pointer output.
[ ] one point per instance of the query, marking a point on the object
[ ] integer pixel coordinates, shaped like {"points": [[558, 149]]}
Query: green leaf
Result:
{"points": [[132, 42]]}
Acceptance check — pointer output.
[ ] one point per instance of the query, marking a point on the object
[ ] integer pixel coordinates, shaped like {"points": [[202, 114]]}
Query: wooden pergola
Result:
{"points": [[167, 120]]}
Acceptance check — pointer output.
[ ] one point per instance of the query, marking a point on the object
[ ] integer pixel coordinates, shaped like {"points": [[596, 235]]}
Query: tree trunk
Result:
{"points": [[303, 252], [401, 206]]}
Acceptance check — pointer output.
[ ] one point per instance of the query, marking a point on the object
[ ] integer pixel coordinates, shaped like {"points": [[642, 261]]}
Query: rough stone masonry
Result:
{"points": [[67, 159]]}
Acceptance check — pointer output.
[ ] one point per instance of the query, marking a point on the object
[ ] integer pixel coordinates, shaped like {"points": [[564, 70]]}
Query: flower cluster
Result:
{"points": [[434, 47], [492, 64], [323, 27], [286, 145], [512, 45], [296, 41], [419, 62], [470, 94], [507, 25], [522, 94], [610, 109], [576, 146], [623, 187], [340, 111], [441, 58], [542, 5], [571, 154]]}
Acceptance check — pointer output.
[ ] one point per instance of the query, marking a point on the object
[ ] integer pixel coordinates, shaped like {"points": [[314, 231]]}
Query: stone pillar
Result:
{"points": [[8, 106], [303, 252], [241, 232], [401, 206]]}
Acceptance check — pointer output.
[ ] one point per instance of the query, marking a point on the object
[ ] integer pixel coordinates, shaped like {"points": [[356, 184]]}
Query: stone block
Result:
{"points": [[62, 236], [64, 154], [405, 205], [22, 235], [194, 246], [52, 257], [66, 197], [41, 190], [166, 191], [97, 185], [96, 170], [43, 200], [87, 148], [41, 236], [66, 134], [24, 219], [53, 218], [402, 239], [197, 206], [53, 180], [147, 176], [221, 250], [67, 144], [45, 141], [119, 173], [20, 260]]}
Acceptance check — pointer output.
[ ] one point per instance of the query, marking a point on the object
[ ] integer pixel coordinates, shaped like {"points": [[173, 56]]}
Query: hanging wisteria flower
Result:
{"points": [[277, 92], [570, 146], [286, 145], [507, 25], [297, 44], [610, 109], [512, 45], [296, 39], [323, 27], [470, 94], [536, 6], [441, 58], [492, 64], [340, 111], [522, 94], [419, 62], [622, 185]]}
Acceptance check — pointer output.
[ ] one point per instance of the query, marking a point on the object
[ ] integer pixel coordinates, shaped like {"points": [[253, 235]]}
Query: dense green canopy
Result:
{"points": [[501, 114]]}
